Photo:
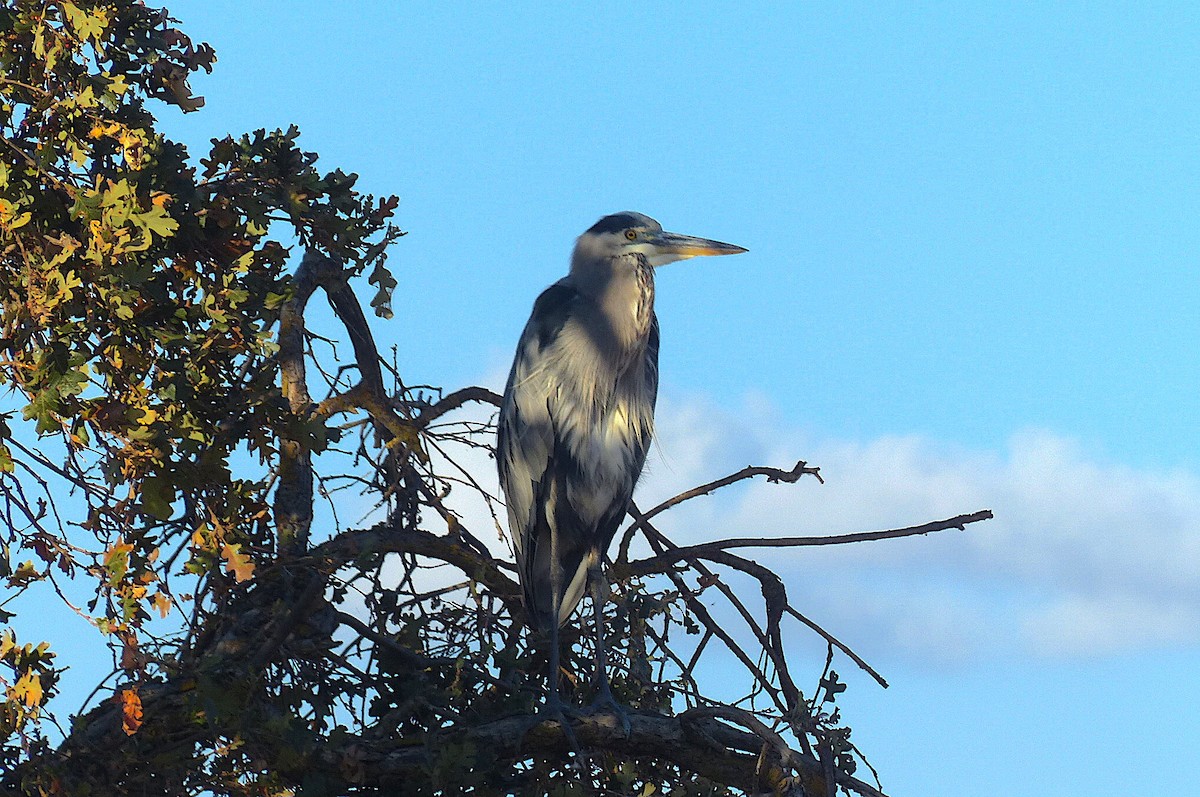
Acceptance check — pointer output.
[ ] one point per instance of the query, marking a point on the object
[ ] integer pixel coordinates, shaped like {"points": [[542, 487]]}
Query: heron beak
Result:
{"points": [[671, 246]]}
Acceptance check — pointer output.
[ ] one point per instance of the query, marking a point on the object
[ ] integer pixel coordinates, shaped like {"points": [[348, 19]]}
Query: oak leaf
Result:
{"points": [[131, 711], [28, 689], [237, 562]]}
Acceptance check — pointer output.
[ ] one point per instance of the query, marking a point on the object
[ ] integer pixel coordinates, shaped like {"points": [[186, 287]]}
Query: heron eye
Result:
{"points": [[631, 235]]}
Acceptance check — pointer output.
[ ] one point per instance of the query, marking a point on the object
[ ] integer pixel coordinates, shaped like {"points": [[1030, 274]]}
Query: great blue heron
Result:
{"points": [[577, 418]]}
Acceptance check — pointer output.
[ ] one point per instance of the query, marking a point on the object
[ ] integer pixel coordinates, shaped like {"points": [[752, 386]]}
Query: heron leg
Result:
{"points": [[552, 697], [605, 701], [554, 709]]}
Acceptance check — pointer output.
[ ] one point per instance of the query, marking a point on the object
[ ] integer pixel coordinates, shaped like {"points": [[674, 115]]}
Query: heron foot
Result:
{"points": [[606, 703], [555, 710]]}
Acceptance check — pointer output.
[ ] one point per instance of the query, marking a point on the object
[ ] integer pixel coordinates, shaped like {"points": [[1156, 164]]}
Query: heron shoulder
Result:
{"points": [[551, 311]]}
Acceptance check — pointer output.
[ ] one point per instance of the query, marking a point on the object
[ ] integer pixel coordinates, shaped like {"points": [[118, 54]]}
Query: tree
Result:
{"points": [[167, 474]]}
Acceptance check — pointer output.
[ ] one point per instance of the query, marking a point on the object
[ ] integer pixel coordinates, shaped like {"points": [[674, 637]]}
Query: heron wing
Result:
{"points": [[555, 474], [526, 444]]}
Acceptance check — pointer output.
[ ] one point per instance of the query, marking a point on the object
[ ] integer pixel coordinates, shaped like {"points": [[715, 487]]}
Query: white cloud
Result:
{"points": [[1110, 624], [1084, 557]]}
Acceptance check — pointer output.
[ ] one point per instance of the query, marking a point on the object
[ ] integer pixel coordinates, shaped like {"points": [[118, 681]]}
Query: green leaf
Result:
{"points": [[87, 25], [157, 221], [158, 494], [116, 562]]}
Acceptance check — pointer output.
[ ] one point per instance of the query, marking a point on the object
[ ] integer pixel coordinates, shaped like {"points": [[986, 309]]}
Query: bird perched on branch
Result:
{"points": [[577, 418]]}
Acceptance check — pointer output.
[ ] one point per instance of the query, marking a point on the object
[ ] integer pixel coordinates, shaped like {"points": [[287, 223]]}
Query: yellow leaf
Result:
{"points": [[237, 562], [162, 602], [29, 688]]}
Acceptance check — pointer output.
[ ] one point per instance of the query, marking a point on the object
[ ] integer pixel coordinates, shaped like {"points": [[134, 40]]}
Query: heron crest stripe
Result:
{"points": [[617, 222]]}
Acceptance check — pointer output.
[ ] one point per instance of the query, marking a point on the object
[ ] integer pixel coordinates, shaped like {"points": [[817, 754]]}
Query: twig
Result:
{"points": [[706, 618], [832, 640]]}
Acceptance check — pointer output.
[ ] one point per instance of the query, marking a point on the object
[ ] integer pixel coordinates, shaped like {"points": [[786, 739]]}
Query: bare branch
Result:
{"points": [[706, 550], [454, 401], [696, 740], [774, 476]]}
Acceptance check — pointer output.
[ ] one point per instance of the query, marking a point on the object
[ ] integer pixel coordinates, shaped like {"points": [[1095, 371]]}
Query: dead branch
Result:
{"points": [[707, 550], [455, 400], [770, 640], [696, 740], [842, 646], [774, 476]]}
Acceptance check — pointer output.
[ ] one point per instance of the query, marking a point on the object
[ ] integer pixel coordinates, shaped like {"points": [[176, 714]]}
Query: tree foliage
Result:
{"points": [[166, 474]]}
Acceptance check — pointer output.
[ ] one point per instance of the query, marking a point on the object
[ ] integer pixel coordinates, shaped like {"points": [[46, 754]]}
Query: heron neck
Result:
{"points": [[621, 290]]}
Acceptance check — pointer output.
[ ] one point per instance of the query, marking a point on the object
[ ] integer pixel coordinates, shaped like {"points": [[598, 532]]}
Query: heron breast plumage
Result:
{"points": [[575, 429]]}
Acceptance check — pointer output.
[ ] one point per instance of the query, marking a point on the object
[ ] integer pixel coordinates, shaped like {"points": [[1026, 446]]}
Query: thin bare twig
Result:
{"points": [[834, 641], [706, 550]]}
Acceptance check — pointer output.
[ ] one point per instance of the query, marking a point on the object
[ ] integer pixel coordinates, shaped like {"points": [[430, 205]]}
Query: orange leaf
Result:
{"points": [[237, 562], [131, 711]]}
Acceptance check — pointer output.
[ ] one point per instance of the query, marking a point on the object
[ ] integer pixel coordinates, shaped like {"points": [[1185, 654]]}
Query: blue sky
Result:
{"points": [[972, 282], [962, 222]]}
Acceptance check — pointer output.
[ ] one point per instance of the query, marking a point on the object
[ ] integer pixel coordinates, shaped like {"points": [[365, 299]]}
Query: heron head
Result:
{"points": [[629, 232]]}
